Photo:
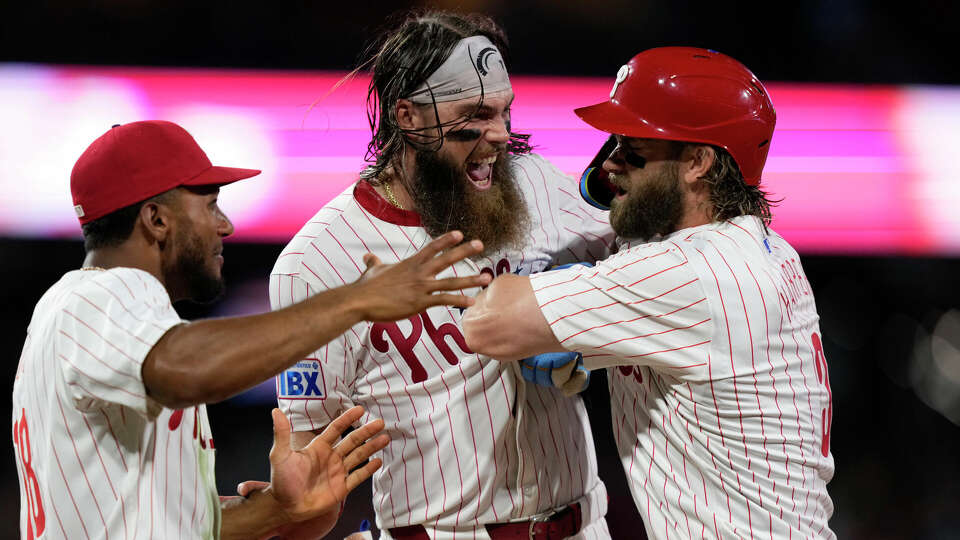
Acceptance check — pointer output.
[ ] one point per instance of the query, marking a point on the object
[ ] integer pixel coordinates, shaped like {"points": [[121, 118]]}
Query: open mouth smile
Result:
{"points": [[480, 172]]}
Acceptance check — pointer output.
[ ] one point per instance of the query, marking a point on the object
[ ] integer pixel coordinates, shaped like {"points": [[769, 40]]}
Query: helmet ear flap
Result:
{"points": [[595, 186]]}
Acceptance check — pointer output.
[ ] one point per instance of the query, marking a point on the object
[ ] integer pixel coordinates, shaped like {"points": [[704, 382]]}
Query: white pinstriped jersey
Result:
{"points": [[97, 458], [471, 442], [721, 403]]}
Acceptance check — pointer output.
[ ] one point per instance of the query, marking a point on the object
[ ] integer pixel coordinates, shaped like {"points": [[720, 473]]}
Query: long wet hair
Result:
{"points": [[730, 196], [400, 60]]}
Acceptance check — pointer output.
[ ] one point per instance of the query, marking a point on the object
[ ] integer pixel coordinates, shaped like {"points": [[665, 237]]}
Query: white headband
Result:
{"points": [[474, 68]]}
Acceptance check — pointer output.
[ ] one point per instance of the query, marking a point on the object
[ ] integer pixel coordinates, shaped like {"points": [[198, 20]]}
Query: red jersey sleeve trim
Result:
{"points": [[372, 202]]}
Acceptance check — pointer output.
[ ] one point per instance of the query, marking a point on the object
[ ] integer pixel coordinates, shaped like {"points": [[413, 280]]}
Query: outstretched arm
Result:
{"points": [[506, 323], [305, 484], [211, 360]]}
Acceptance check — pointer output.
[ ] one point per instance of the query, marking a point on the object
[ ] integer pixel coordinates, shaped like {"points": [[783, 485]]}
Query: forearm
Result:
{"points": [[252, 517], [211, 360], [506, 323], [208, 361]]}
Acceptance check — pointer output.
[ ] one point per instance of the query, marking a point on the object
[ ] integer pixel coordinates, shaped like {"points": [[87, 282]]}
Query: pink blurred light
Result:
{"points": [[839, 159]]}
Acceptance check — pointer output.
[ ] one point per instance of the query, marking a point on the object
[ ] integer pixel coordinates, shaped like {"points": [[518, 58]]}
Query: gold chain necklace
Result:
{"points": [[388, 191], [93, 268]]}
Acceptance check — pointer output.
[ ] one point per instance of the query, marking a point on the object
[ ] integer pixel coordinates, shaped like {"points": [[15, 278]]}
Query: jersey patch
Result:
{"points": [[303, 381]]}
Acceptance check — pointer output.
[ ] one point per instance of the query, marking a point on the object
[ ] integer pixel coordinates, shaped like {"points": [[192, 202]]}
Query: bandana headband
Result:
{"points": [[474, 68]]}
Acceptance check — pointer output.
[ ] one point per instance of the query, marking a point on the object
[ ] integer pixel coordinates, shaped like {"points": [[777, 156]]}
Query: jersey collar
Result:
{"points": [[372, 202]]}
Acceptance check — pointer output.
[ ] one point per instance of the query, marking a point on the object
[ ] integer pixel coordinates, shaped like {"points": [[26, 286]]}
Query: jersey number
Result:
{"points": [[826, 414], [37, 521]]}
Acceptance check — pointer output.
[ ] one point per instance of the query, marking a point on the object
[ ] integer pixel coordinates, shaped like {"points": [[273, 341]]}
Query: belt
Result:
{"points": [[551, 525]]}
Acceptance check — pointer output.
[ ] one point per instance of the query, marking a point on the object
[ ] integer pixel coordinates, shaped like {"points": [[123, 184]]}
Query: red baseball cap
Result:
{"points": [[136, 161]]}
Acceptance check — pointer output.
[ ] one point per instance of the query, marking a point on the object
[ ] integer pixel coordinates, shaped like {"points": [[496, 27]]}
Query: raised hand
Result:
{"points": [[309, 485], [397, 291]]}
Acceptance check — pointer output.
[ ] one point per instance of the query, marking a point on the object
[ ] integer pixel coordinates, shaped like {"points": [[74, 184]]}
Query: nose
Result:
{"points": [[498, 132], [224, 226], [614, 162]]}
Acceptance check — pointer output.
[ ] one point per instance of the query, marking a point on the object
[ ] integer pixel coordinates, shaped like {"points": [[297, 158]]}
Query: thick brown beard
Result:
{"points": [[653, 207], [447, 201], [190, 269]]}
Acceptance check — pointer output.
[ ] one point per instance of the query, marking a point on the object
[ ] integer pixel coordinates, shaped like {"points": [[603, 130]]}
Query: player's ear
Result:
{"points": [[156, 216], [408, 114], [696, 161]]}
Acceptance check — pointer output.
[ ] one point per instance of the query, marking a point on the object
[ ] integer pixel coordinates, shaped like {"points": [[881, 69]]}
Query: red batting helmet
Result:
{"points": [[692, 95]]}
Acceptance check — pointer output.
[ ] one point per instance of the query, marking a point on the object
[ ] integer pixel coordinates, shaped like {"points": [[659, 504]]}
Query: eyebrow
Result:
{"points": [[466, 109], [633, 144]]}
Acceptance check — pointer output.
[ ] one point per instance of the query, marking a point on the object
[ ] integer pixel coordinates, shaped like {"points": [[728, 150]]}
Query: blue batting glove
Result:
{"points": [[563, 370]]}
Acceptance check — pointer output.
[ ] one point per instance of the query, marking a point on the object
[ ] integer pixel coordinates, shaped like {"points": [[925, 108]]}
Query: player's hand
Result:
{"points": [[391, 292], [563, 370], [310, 484], [311, 529]]}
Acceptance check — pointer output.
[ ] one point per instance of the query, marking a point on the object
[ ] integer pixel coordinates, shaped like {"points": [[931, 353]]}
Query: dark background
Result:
{"points": [[883, 317]]}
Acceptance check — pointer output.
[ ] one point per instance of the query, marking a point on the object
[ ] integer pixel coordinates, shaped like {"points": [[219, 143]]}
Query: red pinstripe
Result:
{"points": [[77, 368], [416, 439], [752, 363], [83, 469], [574, 278], [115, 323], [450, 420], [136, 530], [473, 440], [536, 201], [776, 392], [406, 487], [332, 267], [582, 311], [153, 463], [95, 357], [196, 497], [576, 445], [550, 207], [345, 252], [103, 339], [69, 492], [129, 290], [374, 225], [493, 437], [577, 199], [636, 261], [803, 456], [553, 439], [618, 322], [660, 333], [666, 350], [96, 448], [123, 461]]}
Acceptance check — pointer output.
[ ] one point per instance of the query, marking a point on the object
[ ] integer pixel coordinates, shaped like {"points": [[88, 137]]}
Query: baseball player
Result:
{"points": [[720, 394], [474, 452], [109, 424]]}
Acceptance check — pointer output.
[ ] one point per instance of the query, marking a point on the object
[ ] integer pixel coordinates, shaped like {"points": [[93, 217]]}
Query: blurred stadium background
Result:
{"points": [[864, 158]]}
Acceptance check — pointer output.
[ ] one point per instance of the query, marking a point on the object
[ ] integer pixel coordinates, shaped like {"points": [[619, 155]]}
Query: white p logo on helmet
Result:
{"points": [[621, 76]]}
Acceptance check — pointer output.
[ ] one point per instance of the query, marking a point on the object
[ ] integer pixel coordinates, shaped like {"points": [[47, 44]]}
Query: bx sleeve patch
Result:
{"points": [[302, 381]]}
